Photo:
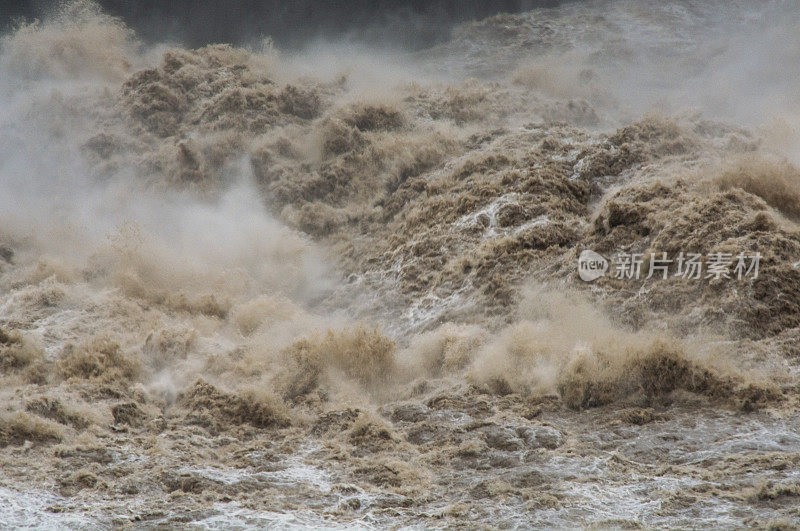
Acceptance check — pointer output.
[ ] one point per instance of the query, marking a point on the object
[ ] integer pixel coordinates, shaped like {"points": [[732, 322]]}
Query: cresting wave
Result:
{"points": [[339, 286]]}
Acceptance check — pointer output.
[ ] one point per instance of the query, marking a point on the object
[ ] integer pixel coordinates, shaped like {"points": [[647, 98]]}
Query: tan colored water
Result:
{"points": [[243, 287]]}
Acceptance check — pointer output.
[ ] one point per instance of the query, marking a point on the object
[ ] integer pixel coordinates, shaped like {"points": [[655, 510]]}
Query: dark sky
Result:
{"points": [[413, 24]]}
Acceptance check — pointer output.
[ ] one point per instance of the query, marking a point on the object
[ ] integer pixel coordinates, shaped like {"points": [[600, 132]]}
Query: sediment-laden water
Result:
{"points": [[339, 287]]}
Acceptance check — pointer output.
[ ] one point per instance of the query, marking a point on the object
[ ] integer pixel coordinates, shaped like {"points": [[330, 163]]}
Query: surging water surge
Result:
{"points": [[338, 286]]}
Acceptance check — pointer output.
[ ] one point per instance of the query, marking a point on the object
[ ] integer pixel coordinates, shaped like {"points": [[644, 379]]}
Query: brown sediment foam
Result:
{"points": [[16, 352], [215, 409], [17, 428], [570, 348], [775, 181], [363, 355], [514, 201], [100, 359], [678, 217], [656, 373], [54, 409]]}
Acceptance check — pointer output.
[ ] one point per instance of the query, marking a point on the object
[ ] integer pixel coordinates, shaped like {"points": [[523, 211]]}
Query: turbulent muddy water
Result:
{"points": [[338, 287]]}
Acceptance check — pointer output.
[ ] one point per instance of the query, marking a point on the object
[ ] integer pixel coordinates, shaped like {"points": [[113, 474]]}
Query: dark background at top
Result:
{"points": [[412, 24]]}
